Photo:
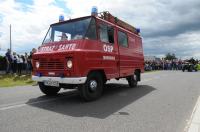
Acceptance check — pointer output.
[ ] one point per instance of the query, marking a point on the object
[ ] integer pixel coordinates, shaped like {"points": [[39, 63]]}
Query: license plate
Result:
{"points": [[51, 83]]}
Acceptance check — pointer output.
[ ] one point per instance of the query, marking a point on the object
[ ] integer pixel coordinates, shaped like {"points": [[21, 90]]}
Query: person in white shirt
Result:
{"points": [[19, 64]]}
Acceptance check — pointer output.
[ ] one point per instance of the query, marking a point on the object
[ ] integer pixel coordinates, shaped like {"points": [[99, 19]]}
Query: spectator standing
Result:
{"points": [[26, 63], [30, 57], [30, 61], [34, 50], [8, 61], [14, 62], [19, 64]]}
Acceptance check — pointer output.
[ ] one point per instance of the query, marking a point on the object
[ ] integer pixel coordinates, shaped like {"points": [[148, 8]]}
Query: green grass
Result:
{"points": [[15, 80]]}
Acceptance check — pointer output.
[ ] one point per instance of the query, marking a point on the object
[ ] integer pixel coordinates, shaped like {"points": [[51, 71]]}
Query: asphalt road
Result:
{"points": [[163, 102]]}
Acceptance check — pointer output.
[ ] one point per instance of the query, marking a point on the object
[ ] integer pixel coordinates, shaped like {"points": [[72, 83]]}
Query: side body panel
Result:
{"points": [[131, 57]]}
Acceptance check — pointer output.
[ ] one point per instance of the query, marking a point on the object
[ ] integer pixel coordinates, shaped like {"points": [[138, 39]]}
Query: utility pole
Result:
{"points": [[10, 39]]}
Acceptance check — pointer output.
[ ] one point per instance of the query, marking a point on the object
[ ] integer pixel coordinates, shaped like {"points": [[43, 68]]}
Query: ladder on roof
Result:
{"points": [[109, 17]]}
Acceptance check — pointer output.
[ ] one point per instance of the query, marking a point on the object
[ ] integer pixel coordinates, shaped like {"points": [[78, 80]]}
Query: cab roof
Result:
{"points": [[71, 20]]}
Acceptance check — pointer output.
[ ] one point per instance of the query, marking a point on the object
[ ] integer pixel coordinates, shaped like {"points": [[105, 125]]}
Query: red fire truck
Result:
{"points": [[85, 52]]}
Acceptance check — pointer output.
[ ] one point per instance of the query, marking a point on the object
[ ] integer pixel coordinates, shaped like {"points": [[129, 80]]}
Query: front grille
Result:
{"points": [[51, 64]]}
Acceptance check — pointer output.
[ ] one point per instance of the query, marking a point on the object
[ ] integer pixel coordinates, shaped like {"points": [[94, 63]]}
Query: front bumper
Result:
{"points": [[67, 80]]}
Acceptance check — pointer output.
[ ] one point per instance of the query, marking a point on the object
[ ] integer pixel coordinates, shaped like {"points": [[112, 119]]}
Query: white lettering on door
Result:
{"points": [[107, 48]]}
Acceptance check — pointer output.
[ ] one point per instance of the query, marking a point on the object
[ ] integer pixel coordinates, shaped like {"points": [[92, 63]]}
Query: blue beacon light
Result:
{"points": [[61, 18], [94, 11], [138, 30]]}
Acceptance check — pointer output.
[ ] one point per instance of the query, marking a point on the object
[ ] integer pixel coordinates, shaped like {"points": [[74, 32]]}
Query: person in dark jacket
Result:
{"points": [[14, 62], [8, 57]]}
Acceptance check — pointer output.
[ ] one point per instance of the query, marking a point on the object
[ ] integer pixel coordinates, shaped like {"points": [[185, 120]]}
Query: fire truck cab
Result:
{"points": [[85, 52]]}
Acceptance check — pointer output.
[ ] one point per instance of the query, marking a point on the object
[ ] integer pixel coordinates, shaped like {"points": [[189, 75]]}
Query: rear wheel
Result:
{"points": [[93, 87], [132, 81], [48, 90]]}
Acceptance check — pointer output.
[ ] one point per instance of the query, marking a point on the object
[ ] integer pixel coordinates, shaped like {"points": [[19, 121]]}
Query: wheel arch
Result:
{"points": [[101, 71]]}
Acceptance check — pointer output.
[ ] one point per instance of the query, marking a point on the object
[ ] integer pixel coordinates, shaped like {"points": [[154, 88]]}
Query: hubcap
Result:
{"points": [[93, 85]]}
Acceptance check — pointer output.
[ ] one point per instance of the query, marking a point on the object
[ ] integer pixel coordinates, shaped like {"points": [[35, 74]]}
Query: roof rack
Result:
{"points": [[109, 17]]}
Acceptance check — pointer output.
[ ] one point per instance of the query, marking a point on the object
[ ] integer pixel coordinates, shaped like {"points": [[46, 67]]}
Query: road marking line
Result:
{"points": [[193, 124], [12, 106], [17, 105]]}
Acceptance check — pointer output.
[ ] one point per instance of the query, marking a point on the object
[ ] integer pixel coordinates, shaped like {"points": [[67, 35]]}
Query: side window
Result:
{"points": [[91, 32], [110, 34], [122, 39], [106, 33], [103, 33]]}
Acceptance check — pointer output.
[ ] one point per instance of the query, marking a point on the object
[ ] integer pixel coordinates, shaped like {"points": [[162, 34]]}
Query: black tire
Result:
{"points": [[93, 87], [132, 81], [50, 91]]}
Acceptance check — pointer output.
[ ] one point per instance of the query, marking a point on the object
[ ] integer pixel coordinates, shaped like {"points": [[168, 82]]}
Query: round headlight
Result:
{"points": [[69, 63], [37, 64]]}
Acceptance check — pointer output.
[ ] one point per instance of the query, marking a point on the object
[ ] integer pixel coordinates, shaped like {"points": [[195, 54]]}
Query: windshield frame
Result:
{"points": [[71, 21], [45, 36]]}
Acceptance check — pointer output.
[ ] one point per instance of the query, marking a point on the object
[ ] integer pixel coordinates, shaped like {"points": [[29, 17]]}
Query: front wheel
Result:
{"points": [[48, 90], [93, 87], [132, 81]]}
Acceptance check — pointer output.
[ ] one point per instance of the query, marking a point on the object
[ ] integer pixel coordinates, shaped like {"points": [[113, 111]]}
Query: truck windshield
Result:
{"points": [[80, 29]]}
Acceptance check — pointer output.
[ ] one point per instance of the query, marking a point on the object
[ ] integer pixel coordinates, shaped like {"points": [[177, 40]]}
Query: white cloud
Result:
{"points": [[167, 26], [28, 27], [185, 45], [133, 12]]}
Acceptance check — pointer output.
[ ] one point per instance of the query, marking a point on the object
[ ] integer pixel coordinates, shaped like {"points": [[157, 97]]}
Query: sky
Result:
{"points": [[171, 26]]}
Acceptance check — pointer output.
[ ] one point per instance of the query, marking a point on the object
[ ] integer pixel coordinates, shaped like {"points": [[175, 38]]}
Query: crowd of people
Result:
{"points": [[165, 64], [16, 63]]}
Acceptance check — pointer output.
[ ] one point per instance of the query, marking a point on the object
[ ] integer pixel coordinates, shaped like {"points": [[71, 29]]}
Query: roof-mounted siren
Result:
{"points": [[61, 18], [94, 11]]}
